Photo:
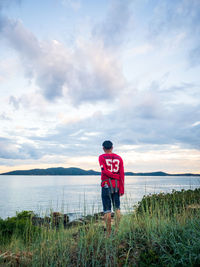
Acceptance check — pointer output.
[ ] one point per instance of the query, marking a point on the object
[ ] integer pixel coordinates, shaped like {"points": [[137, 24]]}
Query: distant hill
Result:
{"points": [[53, 171], [162, 174], [78, 171]]}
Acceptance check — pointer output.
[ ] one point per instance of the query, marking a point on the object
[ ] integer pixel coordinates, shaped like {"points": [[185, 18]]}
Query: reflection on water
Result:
{"points": [[78, 195]]}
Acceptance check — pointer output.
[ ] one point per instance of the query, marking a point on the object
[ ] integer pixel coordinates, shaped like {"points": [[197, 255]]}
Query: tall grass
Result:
{"points": [[164, 230]]}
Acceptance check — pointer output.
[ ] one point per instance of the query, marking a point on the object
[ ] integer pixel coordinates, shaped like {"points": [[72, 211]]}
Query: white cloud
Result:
{"points": [[139, 50], [171, 159], [92, 133], [10, 149], [75, 4], [9, 67], [113, 28], [77, 95], [87, 73], [197, 123], [4, 116]]}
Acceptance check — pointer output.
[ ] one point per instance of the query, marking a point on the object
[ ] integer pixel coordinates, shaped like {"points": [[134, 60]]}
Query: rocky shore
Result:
{"points": [[57, 219]]}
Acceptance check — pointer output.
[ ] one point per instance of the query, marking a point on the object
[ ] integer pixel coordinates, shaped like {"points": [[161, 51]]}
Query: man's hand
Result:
{"points": [[121, 194]]}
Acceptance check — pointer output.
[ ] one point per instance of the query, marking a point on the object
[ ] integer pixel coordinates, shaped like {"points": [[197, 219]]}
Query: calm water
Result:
{"points": [[77, 195]]}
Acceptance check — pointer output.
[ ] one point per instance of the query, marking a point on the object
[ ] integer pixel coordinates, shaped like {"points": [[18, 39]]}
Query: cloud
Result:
{"points": [[194, 56], [14, 101], [112, 30], [6, 3], [3, 116], [74, 4], [67, 82], [174, 17], [195, 124], [20, 38], [152, 117], [9, 149], [87, 73], [180, 22], [139, 50]]}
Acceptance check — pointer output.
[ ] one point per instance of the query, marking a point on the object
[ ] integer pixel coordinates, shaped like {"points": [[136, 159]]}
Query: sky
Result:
{"points": [[74, 73]]}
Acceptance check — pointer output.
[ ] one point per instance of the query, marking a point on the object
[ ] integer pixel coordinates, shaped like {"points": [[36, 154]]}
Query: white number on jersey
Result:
{"points": [[113, 165]]}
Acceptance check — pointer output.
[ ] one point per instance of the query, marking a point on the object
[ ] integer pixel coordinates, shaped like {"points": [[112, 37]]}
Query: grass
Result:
{"points": [[164, 230]]}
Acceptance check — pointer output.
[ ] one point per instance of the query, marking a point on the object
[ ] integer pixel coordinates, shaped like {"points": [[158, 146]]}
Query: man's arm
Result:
{"points": [[121, 181], [105, 171]]}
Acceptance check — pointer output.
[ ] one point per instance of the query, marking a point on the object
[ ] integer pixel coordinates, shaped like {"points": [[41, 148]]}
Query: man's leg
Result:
{"points": [[106, 201], [116, 207], [117, 218], [107, 219]]}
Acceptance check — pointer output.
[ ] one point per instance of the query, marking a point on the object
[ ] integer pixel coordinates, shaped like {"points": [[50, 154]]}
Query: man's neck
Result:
{"points": [[108, 152]]}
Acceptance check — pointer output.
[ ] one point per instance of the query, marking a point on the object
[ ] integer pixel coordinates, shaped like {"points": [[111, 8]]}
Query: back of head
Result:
{"points": [[107, 145]]}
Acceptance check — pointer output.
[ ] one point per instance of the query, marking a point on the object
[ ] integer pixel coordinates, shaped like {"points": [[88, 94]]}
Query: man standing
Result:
{"points": [[112, 183]]}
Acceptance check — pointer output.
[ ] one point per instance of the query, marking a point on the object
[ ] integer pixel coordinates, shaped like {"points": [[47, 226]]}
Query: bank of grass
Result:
{"points": [[164, 230]]}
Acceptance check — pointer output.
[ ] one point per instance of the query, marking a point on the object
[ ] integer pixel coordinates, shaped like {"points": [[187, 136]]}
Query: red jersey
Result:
{"points": [[112, 167]]}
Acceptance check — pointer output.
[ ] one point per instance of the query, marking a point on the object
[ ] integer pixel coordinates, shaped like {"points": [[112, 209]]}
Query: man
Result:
{"points": [[112, 183]]}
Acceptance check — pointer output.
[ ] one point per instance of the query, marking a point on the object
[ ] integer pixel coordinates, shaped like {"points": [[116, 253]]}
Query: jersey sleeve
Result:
{"points": [[105, 171], [121, 181]]}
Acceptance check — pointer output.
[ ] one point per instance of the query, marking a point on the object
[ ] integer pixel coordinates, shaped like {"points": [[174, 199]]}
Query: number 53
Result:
{"points": [[113, 165]]}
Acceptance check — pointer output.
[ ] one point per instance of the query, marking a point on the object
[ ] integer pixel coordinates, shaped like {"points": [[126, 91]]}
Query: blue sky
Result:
{"points": [[74, 73]]}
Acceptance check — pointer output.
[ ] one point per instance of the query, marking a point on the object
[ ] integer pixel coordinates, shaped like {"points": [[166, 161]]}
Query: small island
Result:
{"points": [[78, 171]]}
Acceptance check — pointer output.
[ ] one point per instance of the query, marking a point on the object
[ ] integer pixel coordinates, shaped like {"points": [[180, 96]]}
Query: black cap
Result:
{"points": [[107, 145]]}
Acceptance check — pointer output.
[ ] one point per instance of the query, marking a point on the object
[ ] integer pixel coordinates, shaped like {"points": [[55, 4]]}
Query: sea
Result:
{"points": [[78, 195]]}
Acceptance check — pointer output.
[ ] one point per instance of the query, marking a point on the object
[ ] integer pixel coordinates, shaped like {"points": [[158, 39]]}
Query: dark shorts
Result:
{"points": [[107, 198]]}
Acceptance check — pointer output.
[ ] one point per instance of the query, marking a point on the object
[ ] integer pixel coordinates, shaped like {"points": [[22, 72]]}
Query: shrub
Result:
{"points": [[18, 226], [168, 203]]}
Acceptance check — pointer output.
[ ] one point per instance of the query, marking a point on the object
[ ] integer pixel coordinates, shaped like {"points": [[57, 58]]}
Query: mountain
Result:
{"points": [[78, 171], [147, 174], [158, 174], [53, 171]]}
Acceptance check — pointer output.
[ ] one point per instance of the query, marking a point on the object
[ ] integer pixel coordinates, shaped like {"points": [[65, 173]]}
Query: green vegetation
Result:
{"points": [[164, 230], [19, 226], [170, 203]]}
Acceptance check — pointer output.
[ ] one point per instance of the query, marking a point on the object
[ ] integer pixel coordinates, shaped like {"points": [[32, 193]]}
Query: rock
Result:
{"points": [[92, 218], [66, 219], [89, 218], [55, 220], [37, 221], [77, 222], [99, 215], [47, 219], [59, 219], [193, 206]]}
